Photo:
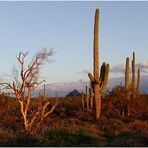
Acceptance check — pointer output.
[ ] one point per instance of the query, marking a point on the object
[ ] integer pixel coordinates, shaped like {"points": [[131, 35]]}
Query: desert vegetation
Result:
{"points": [[96, 117]]}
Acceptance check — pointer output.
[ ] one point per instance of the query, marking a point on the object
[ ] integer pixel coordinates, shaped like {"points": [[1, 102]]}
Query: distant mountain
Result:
{"points": [[73, 93], [62, 89]]}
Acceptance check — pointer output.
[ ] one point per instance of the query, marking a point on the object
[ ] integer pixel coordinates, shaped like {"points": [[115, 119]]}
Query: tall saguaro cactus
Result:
{"points": [[99, 80], [127, 74], [125, 110], [138, 81], [133, 76]]}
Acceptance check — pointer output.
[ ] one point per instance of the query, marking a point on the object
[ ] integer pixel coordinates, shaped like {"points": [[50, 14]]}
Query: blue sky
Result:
{"points": [[68, 28]]}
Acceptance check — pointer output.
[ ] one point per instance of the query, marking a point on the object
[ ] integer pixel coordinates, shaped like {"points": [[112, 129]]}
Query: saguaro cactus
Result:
{"points": [[87, 99], [125, 110], [82, 99], [90, 97], [44, 90], [133, 76], [99, 83], [127, 74], [138, 81]]}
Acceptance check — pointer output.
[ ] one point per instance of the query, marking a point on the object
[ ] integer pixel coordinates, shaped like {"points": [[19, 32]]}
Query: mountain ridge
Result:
{"points": [[62, 89]]}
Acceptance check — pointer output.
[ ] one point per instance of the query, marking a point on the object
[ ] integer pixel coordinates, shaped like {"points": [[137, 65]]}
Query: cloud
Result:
{"points": [[61, 89], [84, 72], [66, 86], [143, 66], [118, 69]]}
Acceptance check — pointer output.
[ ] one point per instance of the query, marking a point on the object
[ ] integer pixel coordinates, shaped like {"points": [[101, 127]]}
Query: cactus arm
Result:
{"points": [[91, 77], [94, 80], [102, 73], [104, 86]]}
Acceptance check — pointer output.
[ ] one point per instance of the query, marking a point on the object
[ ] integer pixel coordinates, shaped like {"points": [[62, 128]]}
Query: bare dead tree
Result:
{"points": [[27, 83]]}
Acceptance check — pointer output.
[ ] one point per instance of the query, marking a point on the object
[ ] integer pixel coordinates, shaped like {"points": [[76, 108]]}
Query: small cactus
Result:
{"points": [[82, 99], [44, 90], [91, 98], [87, 99]]}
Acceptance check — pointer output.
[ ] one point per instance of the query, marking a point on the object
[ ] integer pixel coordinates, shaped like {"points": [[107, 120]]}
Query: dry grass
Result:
{"points": [[69, 125]]}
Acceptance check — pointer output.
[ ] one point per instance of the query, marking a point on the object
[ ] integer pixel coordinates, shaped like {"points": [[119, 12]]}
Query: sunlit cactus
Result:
{"points": [[133, 76], [82, 100], [125, 110], [87, 99], [91, 98], [44, 90], [127, 74], [99, 82], [138, 81]]}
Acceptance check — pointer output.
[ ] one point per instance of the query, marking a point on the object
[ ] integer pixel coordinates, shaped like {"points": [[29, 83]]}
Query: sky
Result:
{"points": [[68, 28]]}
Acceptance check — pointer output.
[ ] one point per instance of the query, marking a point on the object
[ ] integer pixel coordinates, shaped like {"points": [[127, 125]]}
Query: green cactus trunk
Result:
{"points": [[127, 88], [97, 95], [138, 82], [99, 82], [127, 74], [133, 76]]}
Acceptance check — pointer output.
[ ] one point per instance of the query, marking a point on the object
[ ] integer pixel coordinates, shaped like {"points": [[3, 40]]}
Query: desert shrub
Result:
{"points": [[73, 126], [8, 113], [108, 109], [68, 107], [139, 108], [84, 116], [61, 138], [115, 103], [6, 135], [131, 134], [125, 140], [70, 132], [24, 139], [103, 122], [139, 128], [111, 127]]}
